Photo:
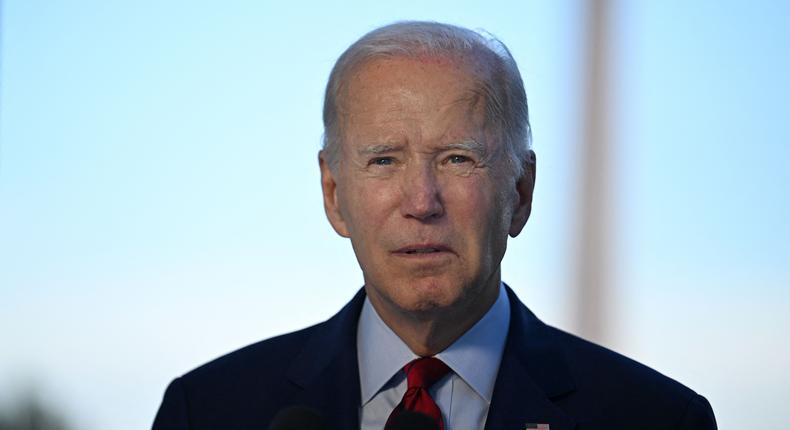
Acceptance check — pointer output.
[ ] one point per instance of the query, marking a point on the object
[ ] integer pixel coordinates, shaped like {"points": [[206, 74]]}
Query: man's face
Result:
{"points": [[422, 188]]}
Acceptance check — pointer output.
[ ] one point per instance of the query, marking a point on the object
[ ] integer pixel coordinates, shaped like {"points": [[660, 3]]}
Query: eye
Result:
{"points": [[458, 159], [382, 161]]}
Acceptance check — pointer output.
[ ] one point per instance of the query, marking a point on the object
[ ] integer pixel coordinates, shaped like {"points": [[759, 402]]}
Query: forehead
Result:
{"points": [[427, 91], [408, 71]]}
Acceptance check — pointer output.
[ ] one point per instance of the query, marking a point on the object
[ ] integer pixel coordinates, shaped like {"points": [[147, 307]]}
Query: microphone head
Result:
{"points": [[297, 418], [407, 420]]}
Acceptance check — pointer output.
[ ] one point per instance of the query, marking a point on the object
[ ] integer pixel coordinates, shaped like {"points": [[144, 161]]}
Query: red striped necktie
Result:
{"points": [[421, 374]]}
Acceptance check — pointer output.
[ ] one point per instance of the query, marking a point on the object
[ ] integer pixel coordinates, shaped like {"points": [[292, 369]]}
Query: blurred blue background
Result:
{"points": [[160, 201]]}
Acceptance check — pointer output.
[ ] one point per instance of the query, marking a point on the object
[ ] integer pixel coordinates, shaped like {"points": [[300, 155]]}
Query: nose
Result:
{"points": [[422, 197]]}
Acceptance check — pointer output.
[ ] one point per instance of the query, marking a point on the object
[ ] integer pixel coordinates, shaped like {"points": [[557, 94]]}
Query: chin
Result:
{"points": [[426, 296]]}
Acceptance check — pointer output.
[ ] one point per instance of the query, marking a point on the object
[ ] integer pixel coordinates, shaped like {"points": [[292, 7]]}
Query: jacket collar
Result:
{"points": [[533, 371], [326, 372]]}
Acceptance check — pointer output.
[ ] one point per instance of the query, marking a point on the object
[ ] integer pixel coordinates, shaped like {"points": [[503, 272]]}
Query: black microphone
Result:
{"points": [[407, 420], [297, 418]]}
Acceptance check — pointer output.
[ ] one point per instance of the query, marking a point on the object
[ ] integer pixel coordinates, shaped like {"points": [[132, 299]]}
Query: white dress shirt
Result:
{"points": [[464, 395]]}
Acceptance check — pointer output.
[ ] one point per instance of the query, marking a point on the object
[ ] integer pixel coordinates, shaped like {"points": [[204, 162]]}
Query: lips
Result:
{"points": [[422, 249]]}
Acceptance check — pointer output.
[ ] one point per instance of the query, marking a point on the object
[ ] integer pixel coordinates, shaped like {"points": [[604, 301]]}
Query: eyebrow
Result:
{"points": [[379, 149], [470, 145]]}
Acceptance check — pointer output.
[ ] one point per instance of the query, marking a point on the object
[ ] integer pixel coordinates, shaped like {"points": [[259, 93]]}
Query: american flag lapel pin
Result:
{"points": [[536, 426]]}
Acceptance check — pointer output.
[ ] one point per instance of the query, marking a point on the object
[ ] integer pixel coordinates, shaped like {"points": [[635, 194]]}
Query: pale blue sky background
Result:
{"points": [[160, 201]]}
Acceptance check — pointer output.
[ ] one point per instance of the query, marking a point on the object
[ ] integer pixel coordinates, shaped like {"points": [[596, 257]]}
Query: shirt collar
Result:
{"points": [[380, 352], [474, 357]]}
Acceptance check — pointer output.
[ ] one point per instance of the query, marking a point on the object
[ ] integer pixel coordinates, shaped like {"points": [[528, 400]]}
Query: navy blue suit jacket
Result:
{"points": [[546, 376]]}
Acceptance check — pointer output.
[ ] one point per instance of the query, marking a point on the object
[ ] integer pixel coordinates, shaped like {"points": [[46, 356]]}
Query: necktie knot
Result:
{"points": [[420, 375], [424, 372]]}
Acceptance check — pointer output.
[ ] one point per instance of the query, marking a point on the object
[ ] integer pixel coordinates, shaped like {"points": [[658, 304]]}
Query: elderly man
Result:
{"points": [[426, 168]]}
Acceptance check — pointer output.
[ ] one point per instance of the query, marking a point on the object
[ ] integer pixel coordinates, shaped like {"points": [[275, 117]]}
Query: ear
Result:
{"points": [[525, 185], [329, 189]]}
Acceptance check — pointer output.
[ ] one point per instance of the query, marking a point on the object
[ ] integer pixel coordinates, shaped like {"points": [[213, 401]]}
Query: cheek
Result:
{"points": [[367, 205], [479, 210], [471, 201]]}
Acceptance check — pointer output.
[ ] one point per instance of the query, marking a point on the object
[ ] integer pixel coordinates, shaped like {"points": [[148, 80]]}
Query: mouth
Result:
{"points": [[422, 250]]}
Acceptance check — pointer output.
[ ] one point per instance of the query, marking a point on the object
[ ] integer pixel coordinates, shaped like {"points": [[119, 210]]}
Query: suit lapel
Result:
{"points": [[531, 374], [326, 373]]}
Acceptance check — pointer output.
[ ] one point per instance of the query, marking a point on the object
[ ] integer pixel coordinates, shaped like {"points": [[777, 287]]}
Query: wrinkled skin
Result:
{"points": [[423, 191]]}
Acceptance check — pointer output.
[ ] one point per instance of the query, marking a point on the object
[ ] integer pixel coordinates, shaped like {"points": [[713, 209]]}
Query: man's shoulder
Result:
{"points": [[595, 364], [610, 386], [248, 385], [594, 385], [584, 367], [269, 357]]}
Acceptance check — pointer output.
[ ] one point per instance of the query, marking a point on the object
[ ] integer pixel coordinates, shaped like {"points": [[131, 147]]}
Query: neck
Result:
{"points": [[428, 333]]}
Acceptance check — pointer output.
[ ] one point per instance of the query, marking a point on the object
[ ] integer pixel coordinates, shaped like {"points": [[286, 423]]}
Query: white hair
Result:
{"points": [[500, 81]]}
